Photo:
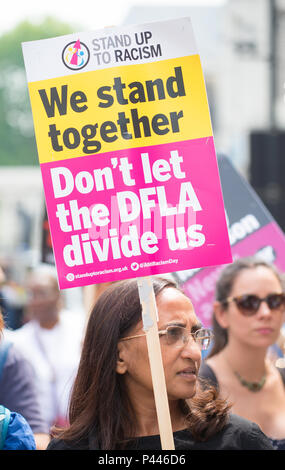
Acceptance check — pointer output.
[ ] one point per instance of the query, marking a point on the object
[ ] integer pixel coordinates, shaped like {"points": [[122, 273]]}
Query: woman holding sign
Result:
{"points": [[113, 406], [248, 315]]}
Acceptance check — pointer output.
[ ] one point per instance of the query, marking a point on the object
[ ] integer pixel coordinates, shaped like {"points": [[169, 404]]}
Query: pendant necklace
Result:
{"points": [[252, 386]]}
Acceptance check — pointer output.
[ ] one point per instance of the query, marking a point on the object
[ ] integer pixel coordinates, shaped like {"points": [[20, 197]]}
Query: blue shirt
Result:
{"points": [[19, 435]]}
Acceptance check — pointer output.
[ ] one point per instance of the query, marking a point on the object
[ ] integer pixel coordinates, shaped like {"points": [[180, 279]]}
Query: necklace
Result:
{"points": [[252, 386]]}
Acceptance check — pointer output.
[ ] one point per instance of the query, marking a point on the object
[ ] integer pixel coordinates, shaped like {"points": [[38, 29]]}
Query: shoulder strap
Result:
{"points": [[4, 423], [4, 348], [282, 373], [208, 375]]}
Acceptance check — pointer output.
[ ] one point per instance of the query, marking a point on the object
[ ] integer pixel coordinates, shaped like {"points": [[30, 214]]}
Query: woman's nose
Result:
{"points": [[264, 310], [191, 350]]}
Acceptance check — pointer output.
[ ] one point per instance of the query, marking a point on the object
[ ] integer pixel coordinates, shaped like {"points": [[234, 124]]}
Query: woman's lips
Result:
{"points": [[265, 331], [190, 373]]}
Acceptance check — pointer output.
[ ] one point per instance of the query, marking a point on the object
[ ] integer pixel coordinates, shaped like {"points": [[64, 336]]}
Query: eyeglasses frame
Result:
{"points": [[164, 332], [264, 299]]}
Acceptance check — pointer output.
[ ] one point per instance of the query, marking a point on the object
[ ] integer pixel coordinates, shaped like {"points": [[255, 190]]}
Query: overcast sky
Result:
{"points": [[90, 14]]}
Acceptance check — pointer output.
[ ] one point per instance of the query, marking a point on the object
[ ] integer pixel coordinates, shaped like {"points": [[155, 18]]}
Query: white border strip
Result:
{"points": [[43, 58]]}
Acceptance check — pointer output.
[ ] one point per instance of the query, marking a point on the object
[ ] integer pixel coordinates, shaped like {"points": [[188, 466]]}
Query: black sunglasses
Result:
{"points": [[249, 304]]}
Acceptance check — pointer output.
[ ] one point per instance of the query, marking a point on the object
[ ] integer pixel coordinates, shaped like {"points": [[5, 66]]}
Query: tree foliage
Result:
{"points": [[17, 139]]}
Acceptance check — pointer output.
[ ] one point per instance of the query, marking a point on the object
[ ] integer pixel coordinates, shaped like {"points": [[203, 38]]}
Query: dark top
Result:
{"points": [[207, 373], [238, 434], [18, 390]]}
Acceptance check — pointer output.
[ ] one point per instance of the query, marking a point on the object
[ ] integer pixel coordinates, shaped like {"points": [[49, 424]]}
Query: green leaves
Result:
{"points": [[17, 140]]}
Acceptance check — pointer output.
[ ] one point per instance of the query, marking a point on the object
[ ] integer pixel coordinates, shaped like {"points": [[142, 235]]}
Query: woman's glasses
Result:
{"points": [[249, 304], [178, 336]]}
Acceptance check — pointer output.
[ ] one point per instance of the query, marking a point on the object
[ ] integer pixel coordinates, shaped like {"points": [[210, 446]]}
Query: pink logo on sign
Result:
{"points": [[75, 55]]}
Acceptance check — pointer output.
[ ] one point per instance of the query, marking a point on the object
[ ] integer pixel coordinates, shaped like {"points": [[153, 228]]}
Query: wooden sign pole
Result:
{"points": [[150, 318]]}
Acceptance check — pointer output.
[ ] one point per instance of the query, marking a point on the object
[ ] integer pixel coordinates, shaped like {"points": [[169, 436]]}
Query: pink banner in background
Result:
{"points": [[268, 242]]}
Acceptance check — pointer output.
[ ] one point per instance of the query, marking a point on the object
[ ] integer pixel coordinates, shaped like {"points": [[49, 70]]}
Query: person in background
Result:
{"points": [[12, 297], [112, 404], [15, 432], [51, 342], [248, 316], [18, 391]]}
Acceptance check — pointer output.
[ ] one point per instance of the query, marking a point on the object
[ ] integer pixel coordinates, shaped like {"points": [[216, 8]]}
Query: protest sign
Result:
{"points": [[126, 152], [128, 163], [252, 231]]}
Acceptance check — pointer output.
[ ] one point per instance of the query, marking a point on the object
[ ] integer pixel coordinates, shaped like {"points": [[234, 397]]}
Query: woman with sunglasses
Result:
{"points": [[248, 316], [112, 405]]}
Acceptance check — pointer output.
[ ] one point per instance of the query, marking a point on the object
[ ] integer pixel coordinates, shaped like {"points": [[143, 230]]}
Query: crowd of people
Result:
{"points": [[40, 358], [69, 385]]}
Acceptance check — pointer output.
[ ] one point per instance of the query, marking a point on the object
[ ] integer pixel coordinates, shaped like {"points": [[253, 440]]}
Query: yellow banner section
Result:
{"points": [[122, 107]]}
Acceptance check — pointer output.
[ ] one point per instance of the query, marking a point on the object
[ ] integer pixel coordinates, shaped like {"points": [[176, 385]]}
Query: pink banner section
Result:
{"points": [[136, 212], [268, 242]]}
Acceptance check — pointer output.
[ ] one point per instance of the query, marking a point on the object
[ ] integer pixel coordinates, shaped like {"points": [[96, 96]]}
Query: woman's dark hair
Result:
{"points": [[99, 403], [224, 288]]}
